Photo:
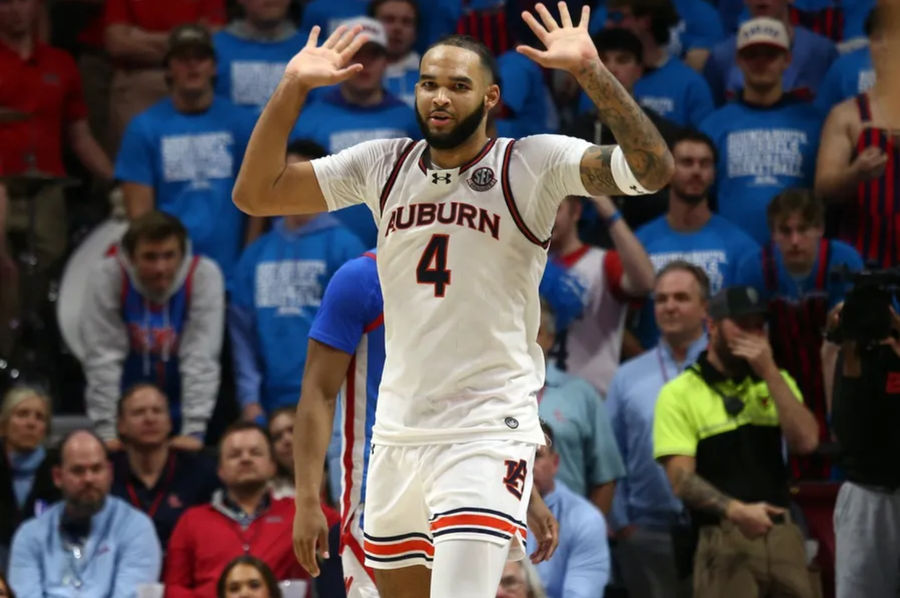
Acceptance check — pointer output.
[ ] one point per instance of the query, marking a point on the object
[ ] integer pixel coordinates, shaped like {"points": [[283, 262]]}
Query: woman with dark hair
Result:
{"points": [[5, 590], [247, 577], [281, 429]]}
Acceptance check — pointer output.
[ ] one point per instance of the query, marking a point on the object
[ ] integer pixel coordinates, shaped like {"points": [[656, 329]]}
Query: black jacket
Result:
{"points": [[42, 491]]}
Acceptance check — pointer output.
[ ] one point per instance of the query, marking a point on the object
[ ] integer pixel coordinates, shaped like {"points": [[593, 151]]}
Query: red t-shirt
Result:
{"points": [[48, 87], [164, 15]]}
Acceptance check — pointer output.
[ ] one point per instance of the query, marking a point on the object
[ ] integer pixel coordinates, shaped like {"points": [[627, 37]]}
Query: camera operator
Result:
{"points": [[866, 419]]}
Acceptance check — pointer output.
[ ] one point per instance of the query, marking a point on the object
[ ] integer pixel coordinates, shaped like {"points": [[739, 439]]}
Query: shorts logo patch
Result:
{"points": [[511, 423], [482, 179], [515, 477]]}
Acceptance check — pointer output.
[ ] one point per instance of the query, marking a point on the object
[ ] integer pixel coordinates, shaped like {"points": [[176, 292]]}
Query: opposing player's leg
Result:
{"points": [[477, 493], [397, 540], [482, 562]]}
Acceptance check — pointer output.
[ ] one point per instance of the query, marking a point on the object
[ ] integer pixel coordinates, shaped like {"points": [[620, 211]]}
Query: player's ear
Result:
{"points": [[492, 96]]}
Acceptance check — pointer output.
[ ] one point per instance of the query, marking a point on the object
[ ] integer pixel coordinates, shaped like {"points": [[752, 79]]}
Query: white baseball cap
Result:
{"points": [[371, 27], [763, 31]]}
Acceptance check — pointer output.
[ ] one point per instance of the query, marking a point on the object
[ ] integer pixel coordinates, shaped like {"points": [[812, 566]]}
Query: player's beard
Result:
{"points": [[455, 136]]}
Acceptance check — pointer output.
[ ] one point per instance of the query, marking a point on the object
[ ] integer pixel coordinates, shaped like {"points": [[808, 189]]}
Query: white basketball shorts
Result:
{"points": [[359, 581], [417, 496]]}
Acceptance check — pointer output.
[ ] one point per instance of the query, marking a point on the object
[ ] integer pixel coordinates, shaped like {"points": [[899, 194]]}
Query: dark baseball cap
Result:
{"points": [[190, 36], [737, 301]]}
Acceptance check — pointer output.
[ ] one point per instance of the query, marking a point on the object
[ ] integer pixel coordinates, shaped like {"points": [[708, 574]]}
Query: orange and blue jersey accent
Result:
{"points": [[874, 226]]}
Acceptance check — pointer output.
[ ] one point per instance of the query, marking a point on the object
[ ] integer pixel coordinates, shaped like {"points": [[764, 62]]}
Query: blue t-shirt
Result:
{"points": [[849, 76], [335, 124], [526, 95], [811, 56], [191, 161], [279, 281], [762, 151], [350, 320], [400, 79], [794, 290], [699, 27], [248, 71], [675, 91], [717, 248]]}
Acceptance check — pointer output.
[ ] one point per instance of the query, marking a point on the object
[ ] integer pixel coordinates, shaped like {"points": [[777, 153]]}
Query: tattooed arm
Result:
{"points": [[571, 49], [753, 519]]}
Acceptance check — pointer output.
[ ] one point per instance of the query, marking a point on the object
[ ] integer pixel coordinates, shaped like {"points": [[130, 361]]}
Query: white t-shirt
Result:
{"points": [[460, 255]]}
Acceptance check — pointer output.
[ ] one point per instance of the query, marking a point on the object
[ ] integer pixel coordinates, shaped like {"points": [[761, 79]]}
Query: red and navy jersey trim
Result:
{"points": [[478, 157], [511, 202], [389, 184]]}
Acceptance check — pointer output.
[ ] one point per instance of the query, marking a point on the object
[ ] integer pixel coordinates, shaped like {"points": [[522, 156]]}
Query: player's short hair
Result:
{"points": [[619, 39], [467, 42], [694, 136], [662, 13], [796, 201], [154, 226], [132, 390], [306, 148], [243, 426], [694, 270], [374, 5]]}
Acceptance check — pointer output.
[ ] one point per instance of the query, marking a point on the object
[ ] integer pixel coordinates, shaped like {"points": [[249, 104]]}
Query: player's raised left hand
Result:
{"points": [[328, 64], [568, 47]]}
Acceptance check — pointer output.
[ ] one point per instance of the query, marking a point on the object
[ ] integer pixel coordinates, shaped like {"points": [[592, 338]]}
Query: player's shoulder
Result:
{"points": [[358, 272], [546, 147]]}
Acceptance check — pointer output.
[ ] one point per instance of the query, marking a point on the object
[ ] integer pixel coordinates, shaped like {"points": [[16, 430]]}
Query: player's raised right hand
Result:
{"points": [[310, 536], [319, 66]]}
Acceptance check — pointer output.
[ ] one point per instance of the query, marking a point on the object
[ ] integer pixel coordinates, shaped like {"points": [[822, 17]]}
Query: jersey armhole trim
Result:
{"points": [[389, 184], [511, 202]]}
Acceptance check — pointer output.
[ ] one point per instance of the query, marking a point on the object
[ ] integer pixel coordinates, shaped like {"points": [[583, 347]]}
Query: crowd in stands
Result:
{"points": [[195, 321]]}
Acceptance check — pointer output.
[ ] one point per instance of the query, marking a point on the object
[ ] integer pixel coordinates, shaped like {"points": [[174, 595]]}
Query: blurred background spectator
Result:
{"points": [[859, 162], [689, 230], [136, 36], [181, 155], [89, 542], [644, 509], [151, 472], [275, 293], [281, 430], [589, 461], [251, 52], [26, 480], [767, 140], [247, 576], [400, 19], [154, 313], [810, 55], [520, 580], [580, 566]]}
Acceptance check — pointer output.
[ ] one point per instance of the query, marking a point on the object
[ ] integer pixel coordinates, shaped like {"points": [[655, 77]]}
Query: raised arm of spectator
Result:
{"points": [[641, 163], [140, 559], [638, 276], [266, 185], [106, 345], [89, 152], [587, 565], [200, 347], [838, 173]]}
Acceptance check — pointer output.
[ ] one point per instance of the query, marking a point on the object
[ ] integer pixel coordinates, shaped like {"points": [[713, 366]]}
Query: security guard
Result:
{"points": [[718, 432]]}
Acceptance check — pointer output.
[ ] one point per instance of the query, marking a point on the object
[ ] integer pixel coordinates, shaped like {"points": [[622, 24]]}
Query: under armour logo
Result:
{"points": [[435, 177]]}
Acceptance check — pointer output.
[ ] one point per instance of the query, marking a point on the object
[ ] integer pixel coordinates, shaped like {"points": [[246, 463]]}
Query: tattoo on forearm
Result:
{"points": [[645, 149], [700, 494]]}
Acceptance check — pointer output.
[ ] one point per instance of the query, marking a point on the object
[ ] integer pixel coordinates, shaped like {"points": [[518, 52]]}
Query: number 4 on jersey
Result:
{"points": [[432, 267]]}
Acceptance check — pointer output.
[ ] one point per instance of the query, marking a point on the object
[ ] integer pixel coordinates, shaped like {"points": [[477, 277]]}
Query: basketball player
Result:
{"points": [[346, 354], [464, 223]]}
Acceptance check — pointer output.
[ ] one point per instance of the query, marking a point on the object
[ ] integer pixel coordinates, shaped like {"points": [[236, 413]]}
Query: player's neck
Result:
{"points": [[685, 216], [147, 463], [23, 45], [360, 97], [188, 103], [459, 155]]}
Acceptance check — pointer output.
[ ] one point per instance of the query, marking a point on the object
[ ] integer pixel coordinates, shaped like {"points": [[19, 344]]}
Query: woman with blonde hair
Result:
{"points": [[26, 480]]}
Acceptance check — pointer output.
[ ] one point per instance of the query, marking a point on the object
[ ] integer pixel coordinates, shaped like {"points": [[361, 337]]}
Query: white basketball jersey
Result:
{"points": [[460, 255]]}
